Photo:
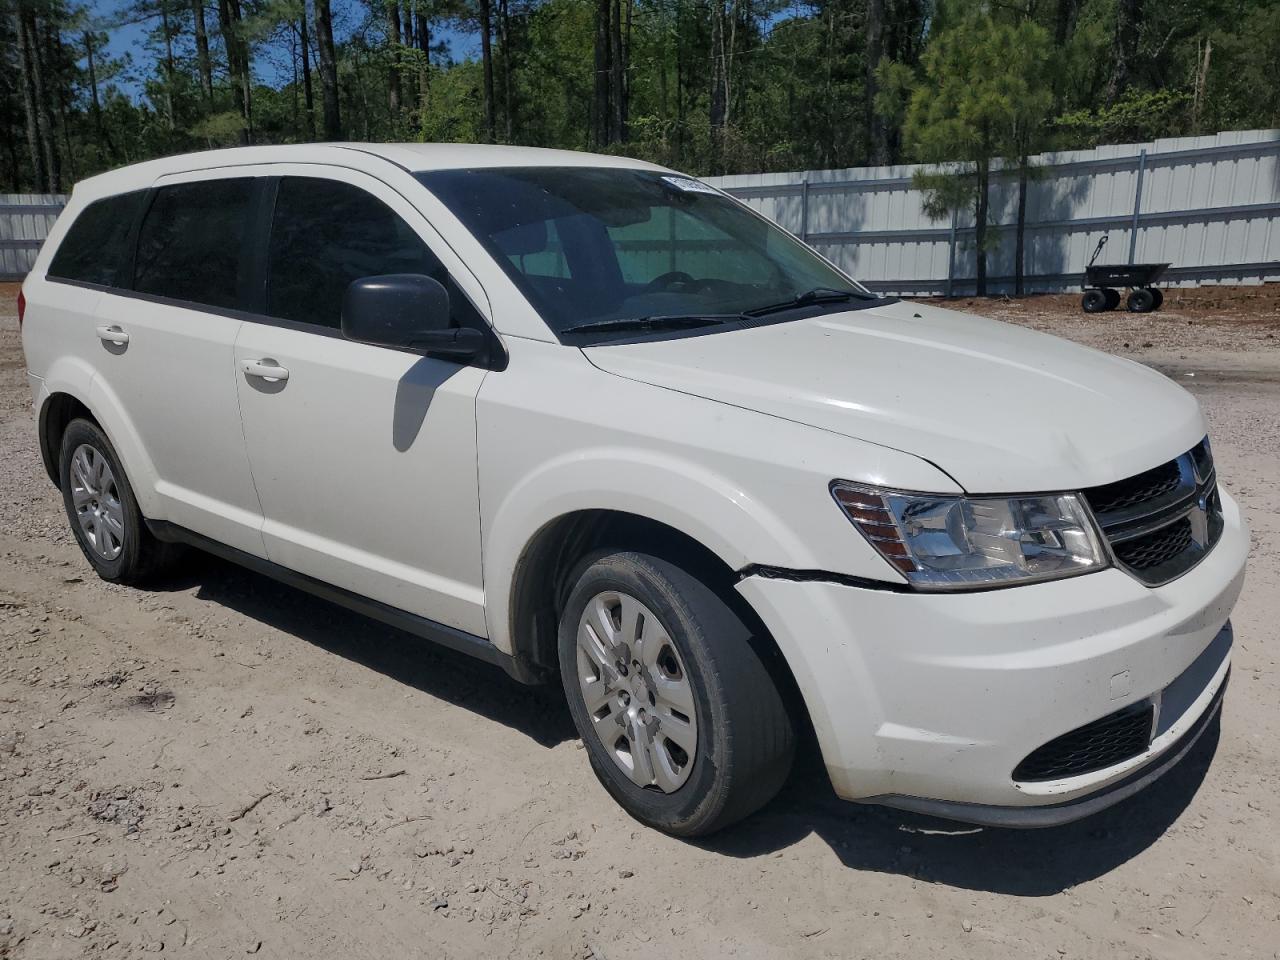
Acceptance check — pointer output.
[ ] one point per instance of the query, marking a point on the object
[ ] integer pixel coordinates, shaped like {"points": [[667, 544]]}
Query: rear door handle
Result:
{"points": [[112, 333], [267, 369]]}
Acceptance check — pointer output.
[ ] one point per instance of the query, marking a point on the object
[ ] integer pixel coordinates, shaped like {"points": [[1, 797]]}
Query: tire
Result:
{"points": [[736, 740], [1094, 301], [1158, 297], [1113, 297], [1141, 301], [113, 536]]}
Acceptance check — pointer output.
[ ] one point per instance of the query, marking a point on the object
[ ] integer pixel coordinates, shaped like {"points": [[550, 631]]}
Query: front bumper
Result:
{"points": [[1057, 814], [930, 701]]}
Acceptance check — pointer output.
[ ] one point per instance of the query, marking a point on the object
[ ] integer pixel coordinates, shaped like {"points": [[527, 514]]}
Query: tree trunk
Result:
{"points": [[246, 69], [168, 63], [877, 133], [308, 95], [600, 87], [680, 92], [486, 57], [62, 85], [100, 131], [1202, 81], [625, 92], [393, 69], [237, 63], [617, 78], [1064, 21], [422, 27], [32, 114], [508, 102], [328, 70], [980, 222], [11, 154], [719, 93], [1019, 247], [364, 111], [423, 23], [44, 125], [1124, 48], [204, 65]]}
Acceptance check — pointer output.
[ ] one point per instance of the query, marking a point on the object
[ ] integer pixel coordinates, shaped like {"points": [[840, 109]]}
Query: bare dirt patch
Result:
{"points": [[228, 767]]}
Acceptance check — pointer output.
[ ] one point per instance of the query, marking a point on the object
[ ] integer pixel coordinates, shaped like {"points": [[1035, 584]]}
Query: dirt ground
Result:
{"points": [[227, 766]]}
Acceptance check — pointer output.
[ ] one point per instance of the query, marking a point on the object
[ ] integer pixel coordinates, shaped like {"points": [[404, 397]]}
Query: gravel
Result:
{"points": [[125, 739]]}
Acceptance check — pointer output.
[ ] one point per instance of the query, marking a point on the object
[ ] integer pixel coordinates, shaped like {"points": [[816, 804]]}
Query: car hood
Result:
{"points": [[998, 407]]}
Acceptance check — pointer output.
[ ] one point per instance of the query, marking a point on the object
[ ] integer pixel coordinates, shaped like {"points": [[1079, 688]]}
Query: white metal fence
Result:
{"points": [[1208, 205], [25, 220]]}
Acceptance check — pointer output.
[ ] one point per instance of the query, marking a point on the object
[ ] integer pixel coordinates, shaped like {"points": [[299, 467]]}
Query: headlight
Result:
{"points": [[958, 543]]}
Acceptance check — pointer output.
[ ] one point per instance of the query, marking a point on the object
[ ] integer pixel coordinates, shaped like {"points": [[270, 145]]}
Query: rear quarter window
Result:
{"points": [[190, 242], [95, 248]]}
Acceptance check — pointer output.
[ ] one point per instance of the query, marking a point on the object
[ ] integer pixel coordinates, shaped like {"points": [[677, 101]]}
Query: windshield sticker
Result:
{"points": [[689, 185]]}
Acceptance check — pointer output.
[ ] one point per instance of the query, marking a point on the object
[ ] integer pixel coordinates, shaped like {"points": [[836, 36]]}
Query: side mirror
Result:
{"points": [[409, 311]]}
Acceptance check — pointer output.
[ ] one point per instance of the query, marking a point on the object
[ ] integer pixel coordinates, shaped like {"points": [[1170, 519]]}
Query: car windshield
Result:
{"points": [[601, 249]]}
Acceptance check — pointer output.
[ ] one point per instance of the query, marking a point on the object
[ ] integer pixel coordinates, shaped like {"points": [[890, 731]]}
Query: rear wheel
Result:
{"points": [[102, 509], [680, 719], [1113, 297], [1157, 298], [1141, 301], [1094, 301]]}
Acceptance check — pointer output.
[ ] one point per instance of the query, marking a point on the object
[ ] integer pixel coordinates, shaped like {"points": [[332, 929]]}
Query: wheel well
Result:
{"points": [[58, 411], [543, 582]]}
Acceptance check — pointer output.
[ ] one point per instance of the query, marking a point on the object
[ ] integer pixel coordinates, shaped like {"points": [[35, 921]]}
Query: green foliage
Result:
{"points": [[984, 84], [1139, 115], [971, 81], [452, 113], [1244, 76], [219, 129], [984, 92]]}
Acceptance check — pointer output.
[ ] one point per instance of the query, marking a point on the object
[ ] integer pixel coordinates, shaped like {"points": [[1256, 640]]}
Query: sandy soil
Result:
{"points": [[229, 767]]}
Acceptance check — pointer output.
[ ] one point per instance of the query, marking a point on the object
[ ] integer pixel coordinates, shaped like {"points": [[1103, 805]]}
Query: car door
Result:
{"points": [[165, 352], [364, 457]]}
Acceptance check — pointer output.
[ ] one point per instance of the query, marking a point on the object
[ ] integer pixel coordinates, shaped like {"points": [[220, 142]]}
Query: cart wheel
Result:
{"points": [[1141, 301], [1113, 297], [1094, 301], [1158, 296]]}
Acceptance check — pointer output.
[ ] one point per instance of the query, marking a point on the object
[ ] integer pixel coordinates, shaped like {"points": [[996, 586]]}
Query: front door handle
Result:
{"points": [[112, 333], [267, 369]]}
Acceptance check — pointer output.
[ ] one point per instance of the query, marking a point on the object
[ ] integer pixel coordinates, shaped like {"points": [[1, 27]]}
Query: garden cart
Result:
{"points": [[1100, 283]]}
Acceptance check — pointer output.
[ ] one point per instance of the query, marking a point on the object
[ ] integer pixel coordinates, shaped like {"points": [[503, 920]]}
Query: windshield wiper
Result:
{"points": [[671, 322], [816, 295]]}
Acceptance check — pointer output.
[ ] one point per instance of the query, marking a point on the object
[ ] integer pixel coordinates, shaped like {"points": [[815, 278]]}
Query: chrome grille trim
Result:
{"points": [[1193, 498]]}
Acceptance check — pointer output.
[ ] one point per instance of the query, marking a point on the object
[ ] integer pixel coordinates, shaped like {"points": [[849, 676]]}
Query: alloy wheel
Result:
{"points": [[637, 691], [97, 502]]}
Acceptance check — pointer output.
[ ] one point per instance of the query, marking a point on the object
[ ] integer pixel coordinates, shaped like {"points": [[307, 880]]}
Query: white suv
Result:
{"points": [[587, 418]]}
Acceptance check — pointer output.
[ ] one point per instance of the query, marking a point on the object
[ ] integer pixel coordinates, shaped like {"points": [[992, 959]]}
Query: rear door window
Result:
{"points": [[95, 248], [326, 234], [190, 243]]}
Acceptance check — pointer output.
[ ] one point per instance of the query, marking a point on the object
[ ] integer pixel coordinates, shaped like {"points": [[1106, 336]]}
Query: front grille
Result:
{"points": [[1154, 549], [1144, 488], [1095, 746], [1161, 522]]}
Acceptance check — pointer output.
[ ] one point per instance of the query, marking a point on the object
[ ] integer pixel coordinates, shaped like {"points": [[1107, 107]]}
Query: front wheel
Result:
{"points": [[679, 716], [1094, 301]]}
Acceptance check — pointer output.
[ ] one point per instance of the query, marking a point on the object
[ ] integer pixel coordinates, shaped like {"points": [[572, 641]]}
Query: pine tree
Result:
{"points": [[982, 93]]}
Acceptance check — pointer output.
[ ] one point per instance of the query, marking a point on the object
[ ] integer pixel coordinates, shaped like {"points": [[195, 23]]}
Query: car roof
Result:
{"points": [[414, 157]]}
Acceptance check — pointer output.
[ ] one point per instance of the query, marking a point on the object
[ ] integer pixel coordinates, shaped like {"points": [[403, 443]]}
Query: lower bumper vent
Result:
{"points": [[1095, 746]]}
